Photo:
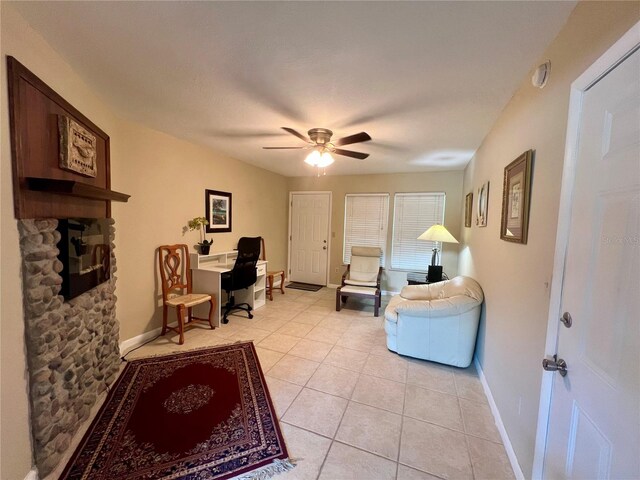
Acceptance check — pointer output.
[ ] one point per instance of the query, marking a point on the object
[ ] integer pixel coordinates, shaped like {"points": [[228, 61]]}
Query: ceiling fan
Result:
{"points": [[320, 140]]}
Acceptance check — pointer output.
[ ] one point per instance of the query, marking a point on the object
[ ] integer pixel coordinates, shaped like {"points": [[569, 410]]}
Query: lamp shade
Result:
{"points": [[438, 233]]}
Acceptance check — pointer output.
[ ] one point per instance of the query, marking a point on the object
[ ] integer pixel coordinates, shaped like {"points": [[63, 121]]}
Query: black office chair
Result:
{"points": [[243, 274]]}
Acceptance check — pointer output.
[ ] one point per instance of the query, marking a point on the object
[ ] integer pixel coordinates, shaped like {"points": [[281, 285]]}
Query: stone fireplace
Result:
{"points": [[72, 347]]}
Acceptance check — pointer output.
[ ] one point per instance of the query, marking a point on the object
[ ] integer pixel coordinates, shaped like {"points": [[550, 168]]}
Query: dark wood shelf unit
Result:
{"points": [[74, 189]]}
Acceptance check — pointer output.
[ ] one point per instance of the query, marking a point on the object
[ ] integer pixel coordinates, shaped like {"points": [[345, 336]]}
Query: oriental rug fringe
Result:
{"points": [[199, 415]]}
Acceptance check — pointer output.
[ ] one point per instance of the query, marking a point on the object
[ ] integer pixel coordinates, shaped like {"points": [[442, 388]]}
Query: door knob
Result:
{"points": [[566, 319], [324, 247], [557, 364]]}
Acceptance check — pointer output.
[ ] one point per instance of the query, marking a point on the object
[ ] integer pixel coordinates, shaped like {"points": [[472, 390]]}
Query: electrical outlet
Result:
{"points": [[337, 270]]}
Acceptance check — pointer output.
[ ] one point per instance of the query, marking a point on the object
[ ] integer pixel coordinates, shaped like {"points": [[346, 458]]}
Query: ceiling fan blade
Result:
{"points": [[283, 148], [357, 138], [350, 153], [297, 134]]}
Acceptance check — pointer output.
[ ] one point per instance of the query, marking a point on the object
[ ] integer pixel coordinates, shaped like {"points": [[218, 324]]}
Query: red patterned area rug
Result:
{"points": [[199, 415]]}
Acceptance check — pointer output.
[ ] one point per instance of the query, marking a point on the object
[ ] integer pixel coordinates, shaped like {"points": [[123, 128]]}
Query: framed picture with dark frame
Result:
{"points": [[218, 210], [516, 192], [468, 208]]}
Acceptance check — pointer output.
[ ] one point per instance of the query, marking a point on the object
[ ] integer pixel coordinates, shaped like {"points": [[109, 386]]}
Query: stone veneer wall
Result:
{"points": [[72, 347]]}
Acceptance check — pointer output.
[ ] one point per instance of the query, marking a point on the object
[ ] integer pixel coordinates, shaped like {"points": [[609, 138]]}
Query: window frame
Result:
{"points": [[426, 247], [346, 253]]}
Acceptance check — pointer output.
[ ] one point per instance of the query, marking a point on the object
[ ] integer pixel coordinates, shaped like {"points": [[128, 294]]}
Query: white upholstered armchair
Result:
{"points": [[362, 278], [437, 322]]}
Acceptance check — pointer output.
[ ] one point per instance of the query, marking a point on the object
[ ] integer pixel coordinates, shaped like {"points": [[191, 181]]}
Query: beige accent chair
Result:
{"points": [[362, 278], [437, 322]]}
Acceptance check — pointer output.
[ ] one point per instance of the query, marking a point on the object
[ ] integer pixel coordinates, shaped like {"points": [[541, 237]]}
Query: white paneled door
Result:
{"points": [[594, 416], [309, 244]]}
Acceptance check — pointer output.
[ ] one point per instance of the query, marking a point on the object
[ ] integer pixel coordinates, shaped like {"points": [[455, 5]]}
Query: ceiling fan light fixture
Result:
{"points": [[322, 147], [325, 160], [313, 158], [320, 160]]}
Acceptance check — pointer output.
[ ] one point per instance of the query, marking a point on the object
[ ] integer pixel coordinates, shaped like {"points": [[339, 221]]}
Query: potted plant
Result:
{"points": [[198, 223]]}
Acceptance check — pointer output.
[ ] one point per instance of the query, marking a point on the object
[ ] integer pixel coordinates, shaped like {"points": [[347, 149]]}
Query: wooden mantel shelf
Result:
{"points": [[74, 189]]}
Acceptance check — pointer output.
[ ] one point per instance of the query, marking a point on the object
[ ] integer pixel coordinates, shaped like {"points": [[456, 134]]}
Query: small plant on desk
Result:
{"points": [[198, 223]]}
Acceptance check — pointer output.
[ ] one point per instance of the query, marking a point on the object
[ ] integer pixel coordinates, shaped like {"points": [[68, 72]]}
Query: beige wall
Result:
{"points": [[516, 278], [339, 186], [166, 178]]}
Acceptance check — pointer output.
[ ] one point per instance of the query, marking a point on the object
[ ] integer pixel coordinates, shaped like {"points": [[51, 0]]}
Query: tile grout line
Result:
{"points": [[402, 417], [464, 426], [333, 439]]}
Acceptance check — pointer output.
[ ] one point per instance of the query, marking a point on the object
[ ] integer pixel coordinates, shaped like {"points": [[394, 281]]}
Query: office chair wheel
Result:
{"points": [[225, 320], [250, 315]]}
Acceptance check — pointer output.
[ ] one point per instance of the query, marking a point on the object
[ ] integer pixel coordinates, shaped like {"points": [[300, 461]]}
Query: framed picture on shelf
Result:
{"points": [[515, 199], [218, 211], [468, 208], [482, 207]]}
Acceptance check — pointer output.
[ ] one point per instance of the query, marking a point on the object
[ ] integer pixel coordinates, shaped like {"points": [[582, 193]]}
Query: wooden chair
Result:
{"points": [[271, 274], [101, 255], [175, 274], [362, 278]]}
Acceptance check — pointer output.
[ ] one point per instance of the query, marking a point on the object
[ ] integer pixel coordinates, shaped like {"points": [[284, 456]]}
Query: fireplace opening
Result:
{"points": [[84, 253]]}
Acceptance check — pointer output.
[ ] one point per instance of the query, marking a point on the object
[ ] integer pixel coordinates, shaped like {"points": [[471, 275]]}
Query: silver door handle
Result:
{"points": [[555, 365], [566, 319]]}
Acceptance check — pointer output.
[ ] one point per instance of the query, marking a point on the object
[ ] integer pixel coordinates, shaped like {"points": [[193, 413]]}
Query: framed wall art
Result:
{"points": [[515, 199], [468, 209], [218, 211], [482, 206], [77, 147]]}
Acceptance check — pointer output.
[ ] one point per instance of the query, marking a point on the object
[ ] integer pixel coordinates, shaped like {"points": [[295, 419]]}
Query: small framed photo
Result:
{"points": [[218, 211], [515, 199], [468, 208], [482, 207]]}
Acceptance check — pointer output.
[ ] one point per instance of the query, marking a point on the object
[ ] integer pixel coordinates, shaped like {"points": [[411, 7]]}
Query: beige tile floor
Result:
{"points": [[349, 408]]}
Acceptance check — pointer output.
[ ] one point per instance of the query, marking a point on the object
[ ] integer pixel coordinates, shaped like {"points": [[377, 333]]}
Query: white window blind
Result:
{"points": [[413, 213], [365, 222]]}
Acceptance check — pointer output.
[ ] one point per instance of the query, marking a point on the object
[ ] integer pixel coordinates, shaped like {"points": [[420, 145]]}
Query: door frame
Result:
{"points": [[329, 242], [615, 55]]}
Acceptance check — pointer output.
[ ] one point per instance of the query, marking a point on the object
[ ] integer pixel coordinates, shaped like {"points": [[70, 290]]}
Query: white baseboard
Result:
{"points": [[32, 475], [517, 471], [140, 339]]}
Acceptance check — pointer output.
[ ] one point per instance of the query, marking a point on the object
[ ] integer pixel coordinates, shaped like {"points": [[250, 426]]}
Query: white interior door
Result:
{"points": [[594, 416], [309, 245]]}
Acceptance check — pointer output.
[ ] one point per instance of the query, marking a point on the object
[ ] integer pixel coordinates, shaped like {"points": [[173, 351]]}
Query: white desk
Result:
{"points": [[206, 275]]}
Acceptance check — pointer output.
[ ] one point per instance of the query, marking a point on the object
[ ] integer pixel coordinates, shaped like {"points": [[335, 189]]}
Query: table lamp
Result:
{"points": [[436, 233]]}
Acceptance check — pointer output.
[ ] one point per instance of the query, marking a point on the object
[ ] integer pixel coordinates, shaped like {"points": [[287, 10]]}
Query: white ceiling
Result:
{"points": [[426, 80]]}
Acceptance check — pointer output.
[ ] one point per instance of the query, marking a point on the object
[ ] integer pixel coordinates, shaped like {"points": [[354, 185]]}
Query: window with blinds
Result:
{"points": [[365, 222], [413, 213]]}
